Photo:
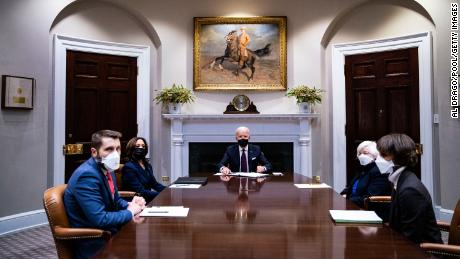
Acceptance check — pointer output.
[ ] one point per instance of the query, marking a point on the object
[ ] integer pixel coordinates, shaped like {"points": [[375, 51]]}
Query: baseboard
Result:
{"points": [[443, 214], [22, 221]]}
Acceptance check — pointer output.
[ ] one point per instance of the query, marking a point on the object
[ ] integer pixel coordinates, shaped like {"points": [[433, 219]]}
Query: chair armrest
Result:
{"points": [[443, 249], [126, 194], [444, 226], [63, 233], [367, 200]]}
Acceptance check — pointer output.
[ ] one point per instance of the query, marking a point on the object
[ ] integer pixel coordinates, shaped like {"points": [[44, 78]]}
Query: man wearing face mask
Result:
{"points": [[137, 174], [91, 198], [411, 211], [243, 157], [370, 181]]}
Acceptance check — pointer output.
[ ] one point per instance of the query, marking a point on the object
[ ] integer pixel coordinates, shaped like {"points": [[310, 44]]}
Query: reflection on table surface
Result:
{"points": [[239, 217]]}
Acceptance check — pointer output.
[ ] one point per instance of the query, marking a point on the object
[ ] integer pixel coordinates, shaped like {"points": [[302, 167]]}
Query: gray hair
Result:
{"points": [[371, 146], [241, 128]]}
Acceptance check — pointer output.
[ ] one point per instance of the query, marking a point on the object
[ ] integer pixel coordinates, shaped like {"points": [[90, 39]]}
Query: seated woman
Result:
{"points": [[412, 211], [369, 181], [137, 174]]}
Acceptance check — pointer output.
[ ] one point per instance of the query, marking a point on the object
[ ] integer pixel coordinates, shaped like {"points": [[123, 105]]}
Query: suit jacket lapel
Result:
{"points": [[250, 161], [236, 157], [106, 184], [103, 178]]}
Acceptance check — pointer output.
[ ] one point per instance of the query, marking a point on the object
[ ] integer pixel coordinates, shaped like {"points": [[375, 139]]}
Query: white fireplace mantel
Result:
{"points": [[186, 128]]}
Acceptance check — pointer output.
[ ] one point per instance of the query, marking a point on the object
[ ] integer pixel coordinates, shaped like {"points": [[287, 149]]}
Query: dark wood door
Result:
{"points": [[382, 97], [100, 94]]}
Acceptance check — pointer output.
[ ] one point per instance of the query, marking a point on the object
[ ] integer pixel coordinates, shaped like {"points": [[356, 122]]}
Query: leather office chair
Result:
{"points": [[380, 204], [63, 234], [376, 199], [453, 246], [123, 194]]}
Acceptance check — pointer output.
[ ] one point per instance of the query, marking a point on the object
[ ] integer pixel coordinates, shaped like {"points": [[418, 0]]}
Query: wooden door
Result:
{"points": [[382, 97], [100, 94]]}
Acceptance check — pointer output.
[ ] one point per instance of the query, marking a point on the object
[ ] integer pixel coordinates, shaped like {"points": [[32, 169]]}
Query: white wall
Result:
{"points": [[24, 134], [25, 50]]}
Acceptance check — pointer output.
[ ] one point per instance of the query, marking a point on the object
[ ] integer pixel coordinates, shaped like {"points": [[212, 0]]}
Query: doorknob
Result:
{"points": [[72, 149], [419, 148]]}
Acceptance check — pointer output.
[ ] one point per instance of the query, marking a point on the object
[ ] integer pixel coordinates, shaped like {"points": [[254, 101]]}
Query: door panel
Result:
{"points": [[381, 97], [100, 94]]}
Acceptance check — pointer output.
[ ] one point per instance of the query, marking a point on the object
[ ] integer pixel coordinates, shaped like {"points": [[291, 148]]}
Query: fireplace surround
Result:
{"points": [[189, 128]]}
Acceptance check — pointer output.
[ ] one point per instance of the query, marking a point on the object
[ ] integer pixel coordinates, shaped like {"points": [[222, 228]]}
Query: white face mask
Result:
{"points": [[384, 165], [112, 161], [365, 159]]}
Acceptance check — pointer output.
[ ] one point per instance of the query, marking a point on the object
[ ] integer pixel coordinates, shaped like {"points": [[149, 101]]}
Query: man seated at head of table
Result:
{"points": [[91, 198], [243, 157]]}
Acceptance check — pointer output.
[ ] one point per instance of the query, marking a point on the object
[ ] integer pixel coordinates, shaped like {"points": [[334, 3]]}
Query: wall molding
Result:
{"points": [[443, 214], [22, 221], [423, 42], [61, 45]]}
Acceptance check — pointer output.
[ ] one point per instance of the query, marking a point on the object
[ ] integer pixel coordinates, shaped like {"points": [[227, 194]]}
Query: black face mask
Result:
{"points": [[243, 142], [139, 153]]}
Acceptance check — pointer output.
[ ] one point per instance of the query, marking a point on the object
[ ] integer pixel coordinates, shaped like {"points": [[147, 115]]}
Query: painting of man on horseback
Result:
{"points": [[237, 51], [239, 56]]}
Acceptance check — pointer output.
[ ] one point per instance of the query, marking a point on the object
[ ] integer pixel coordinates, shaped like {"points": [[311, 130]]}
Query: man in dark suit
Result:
{"points": [[411, 211], [243, 157], [91, 198]]}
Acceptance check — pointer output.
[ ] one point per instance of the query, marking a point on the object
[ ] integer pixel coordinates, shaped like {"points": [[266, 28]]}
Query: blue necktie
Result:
{"points": [[243, 162]]}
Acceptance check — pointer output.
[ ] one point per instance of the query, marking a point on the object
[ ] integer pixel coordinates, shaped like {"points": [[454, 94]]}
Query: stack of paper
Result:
{"points": [[165, 211], [243, 174], [186, 186], [355, 216], [311, 185]]}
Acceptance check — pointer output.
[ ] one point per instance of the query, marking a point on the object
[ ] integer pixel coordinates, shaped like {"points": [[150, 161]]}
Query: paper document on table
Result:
{"points": [[253, 175], [185, 186], [311, 185], [165, 211], [243, 174], [355, 216]]}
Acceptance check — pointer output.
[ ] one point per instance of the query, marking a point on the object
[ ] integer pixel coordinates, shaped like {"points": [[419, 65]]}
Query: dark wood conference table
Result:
{"points": [[256, 218]]}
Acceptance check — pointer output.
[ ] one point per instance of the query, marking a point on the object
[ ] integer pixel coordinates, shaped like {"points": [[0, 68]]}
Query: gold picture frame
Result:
{"points": [[220, 62]]}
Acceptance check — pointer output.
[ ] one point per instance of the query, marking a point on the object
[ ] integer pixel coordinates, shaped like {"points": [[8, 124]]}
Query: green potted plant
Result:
{"points": [[306, 97], [174, 97]]}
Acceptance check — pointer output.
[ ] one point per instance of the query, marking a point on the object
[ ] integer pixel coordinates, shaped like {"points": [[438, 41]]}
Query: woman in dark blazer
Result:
{"points": [[411, 211], [137, 174], [369, 181]]}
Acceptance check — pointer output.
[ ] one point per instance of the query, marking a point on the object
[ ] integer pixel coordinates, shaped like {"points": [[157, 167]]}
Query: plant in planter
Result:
{"points": [[306, 97], [175, 96]]}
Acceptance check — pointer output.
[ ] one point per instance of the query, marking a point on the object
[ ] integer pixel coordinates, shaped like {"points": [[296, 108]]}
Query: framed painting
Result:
{"points": [[233, 53], [17, 92]]}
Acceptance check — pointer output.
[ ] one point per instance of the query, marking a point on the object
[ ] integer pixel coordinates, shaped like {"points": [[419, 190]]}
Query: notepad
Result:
{"points": [[311, 185], [355, 216], [192, 180], [185, 186], [165, 211], [243, 174]]}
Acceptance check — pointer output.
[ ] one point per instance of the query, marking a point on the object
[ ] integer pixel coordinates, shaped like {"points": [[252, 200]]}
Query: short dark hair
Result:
{"points": [[132, 145], [401, 147], [96, 138]]}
